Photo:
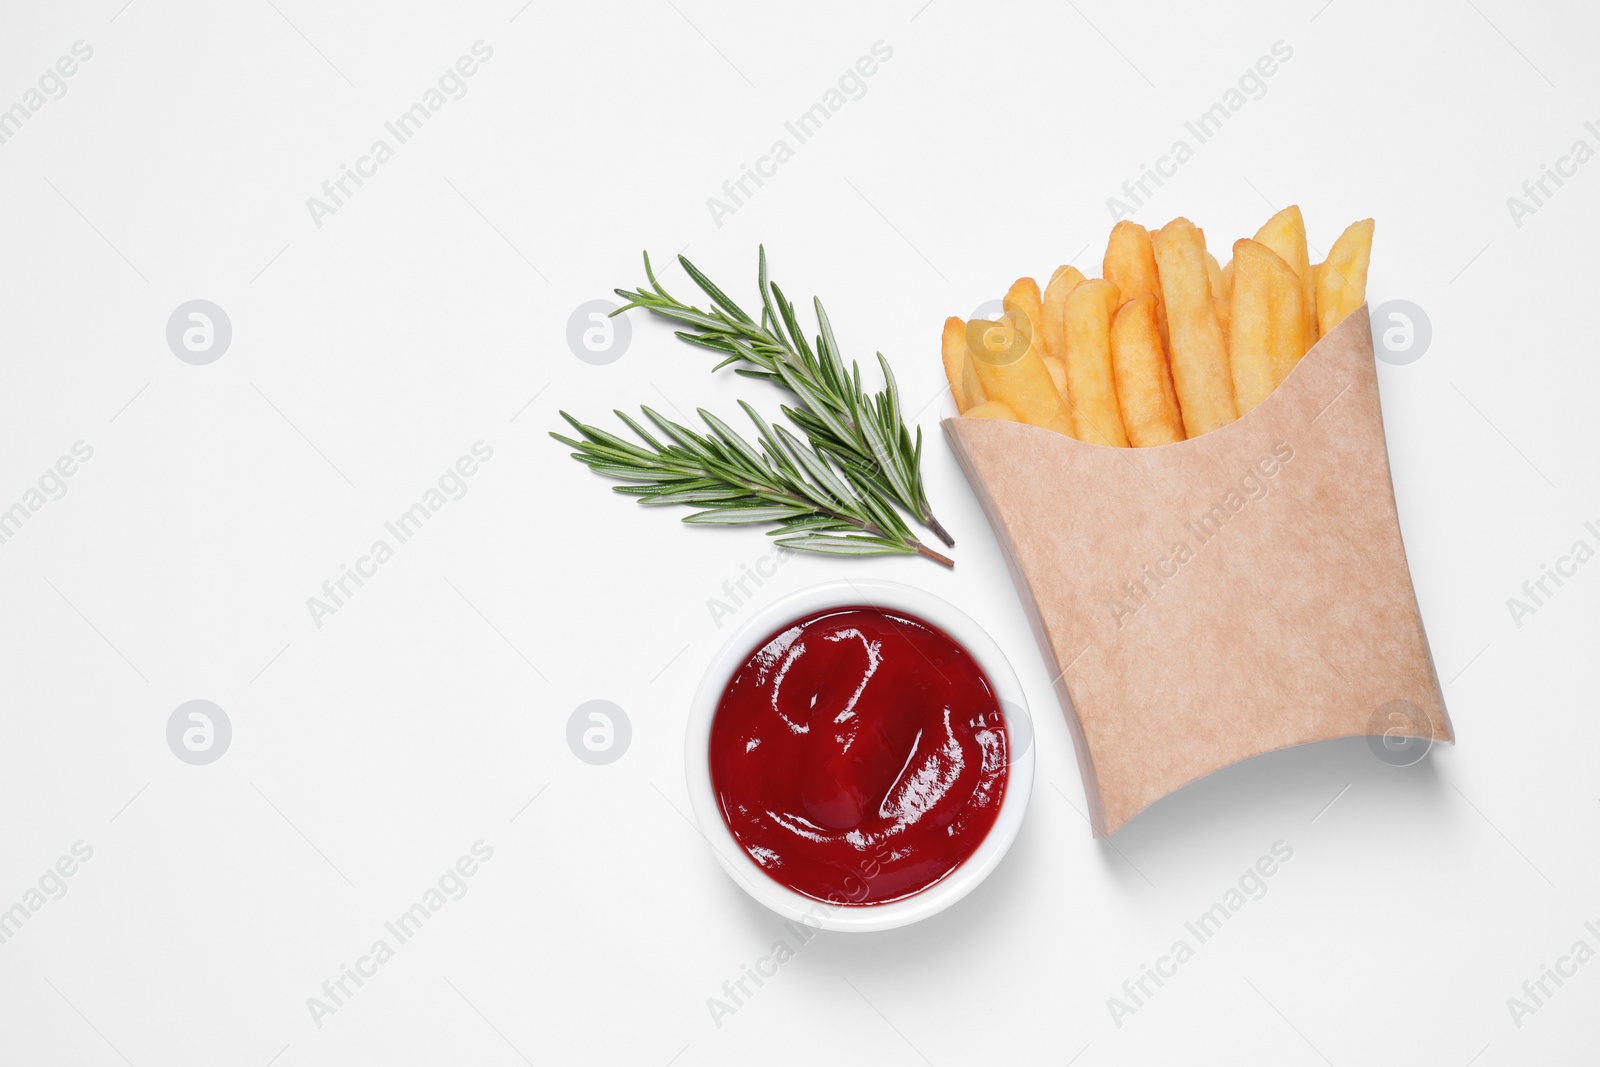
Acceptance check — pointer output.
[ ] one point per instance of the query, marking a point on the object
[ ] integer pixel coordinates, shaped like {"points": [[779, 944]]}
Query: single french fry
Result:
{"points": [[1023, 299], [1290, 341], [1214, 276], [971, 386], [992, 409], [1342, 277], [953, 347], [1219, 291], [1145, 395], [1285, 234], [1062, 282], [1261, 281], [1089, 376], [1223, 305], [1066, 270], [1130, 265], [1267, 334], [1058, 374], [1199, 353], [1010, 365]]}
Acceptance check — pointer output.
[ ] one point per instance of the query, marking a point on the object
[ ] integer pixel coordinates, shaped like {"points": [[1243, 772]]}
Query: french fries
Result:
{"points": [[953, 346], [1023, 299], [1130, 265], [1062, 282], [1089, 378], [1010, 366], [1267, 331], [1285, 234], [1219, 290], [1170, 344], [1199, 354], [1342, 277], [1058, 374], [1223, 304], [1144, 384], [971, 387]]}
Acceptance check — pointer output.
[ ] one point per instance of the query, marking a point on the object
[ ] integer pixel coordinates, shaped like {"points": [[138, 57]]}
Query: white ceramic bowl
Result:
{"points": [[955, 885]]}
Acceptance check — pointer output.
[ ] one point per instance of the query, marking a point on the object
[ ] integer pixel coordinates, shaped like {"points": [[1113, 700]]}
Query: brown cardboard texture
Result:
{"points": [[1206, 601]]}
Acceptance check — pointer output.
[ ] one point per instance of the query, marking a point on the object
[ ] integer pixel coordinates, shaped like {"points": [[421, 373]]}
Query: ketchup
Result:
{"points": [[859, 755]]}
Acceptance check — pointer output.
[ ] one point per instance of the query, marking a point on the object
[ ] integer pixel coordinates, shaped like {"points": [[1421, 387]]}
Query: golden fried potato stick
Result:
{"points": [[1267, 334], [1090, 382], [1058, 374], [1145, 394], [1062, 282], [1224, 303], [1199, 352], [1219, 289], [1220, 284], [971, 386], [1067, 275], [1010, 366], [1130, 265], [992, 409], [1290, 341], [1342, 277], [1285, 234], [1023, 299], [953, 347]]}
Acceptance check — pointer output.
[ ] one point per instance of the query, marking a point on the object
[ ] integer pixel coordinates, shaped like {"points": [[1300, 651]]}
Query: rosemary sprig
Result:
{"points": [[785, 482], [865, 432]]}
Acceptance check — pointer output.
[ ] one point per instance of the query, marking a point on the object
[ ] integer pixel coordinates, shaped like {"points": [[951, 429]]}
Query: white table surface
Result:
{"points": [[430, 311]]}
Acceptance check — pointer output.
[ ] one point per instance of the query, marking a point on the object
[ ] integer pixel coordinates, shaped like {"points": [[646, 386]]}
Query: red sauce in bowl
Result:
{"points": [[859, 755]]}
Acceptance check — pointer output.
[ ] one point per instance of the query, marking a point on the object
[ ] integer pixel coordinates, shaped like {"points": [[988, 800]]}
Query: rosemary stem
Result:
{"points": [[938, 528]]}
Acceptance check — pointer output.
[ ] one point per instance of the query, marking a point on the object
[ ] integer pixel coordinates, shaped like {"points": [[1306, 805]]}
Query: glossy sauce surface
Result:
{"points": [[859, 755]]}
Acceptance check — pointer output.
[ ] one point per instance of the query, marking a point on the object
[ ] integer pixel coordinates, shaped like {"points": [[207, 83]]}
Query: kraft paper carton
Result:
{"points": [[1222, 597]]}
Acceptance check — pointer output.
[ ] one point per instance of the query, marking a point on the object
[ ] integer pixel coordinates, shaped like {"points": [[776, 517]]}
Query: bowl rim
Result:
{"points": [[884, 595]]}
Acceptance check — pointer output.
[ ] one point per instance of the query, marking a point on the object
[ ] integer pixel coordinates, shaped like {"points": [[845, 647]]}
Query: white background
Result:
{"points": [[430, 312]]}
